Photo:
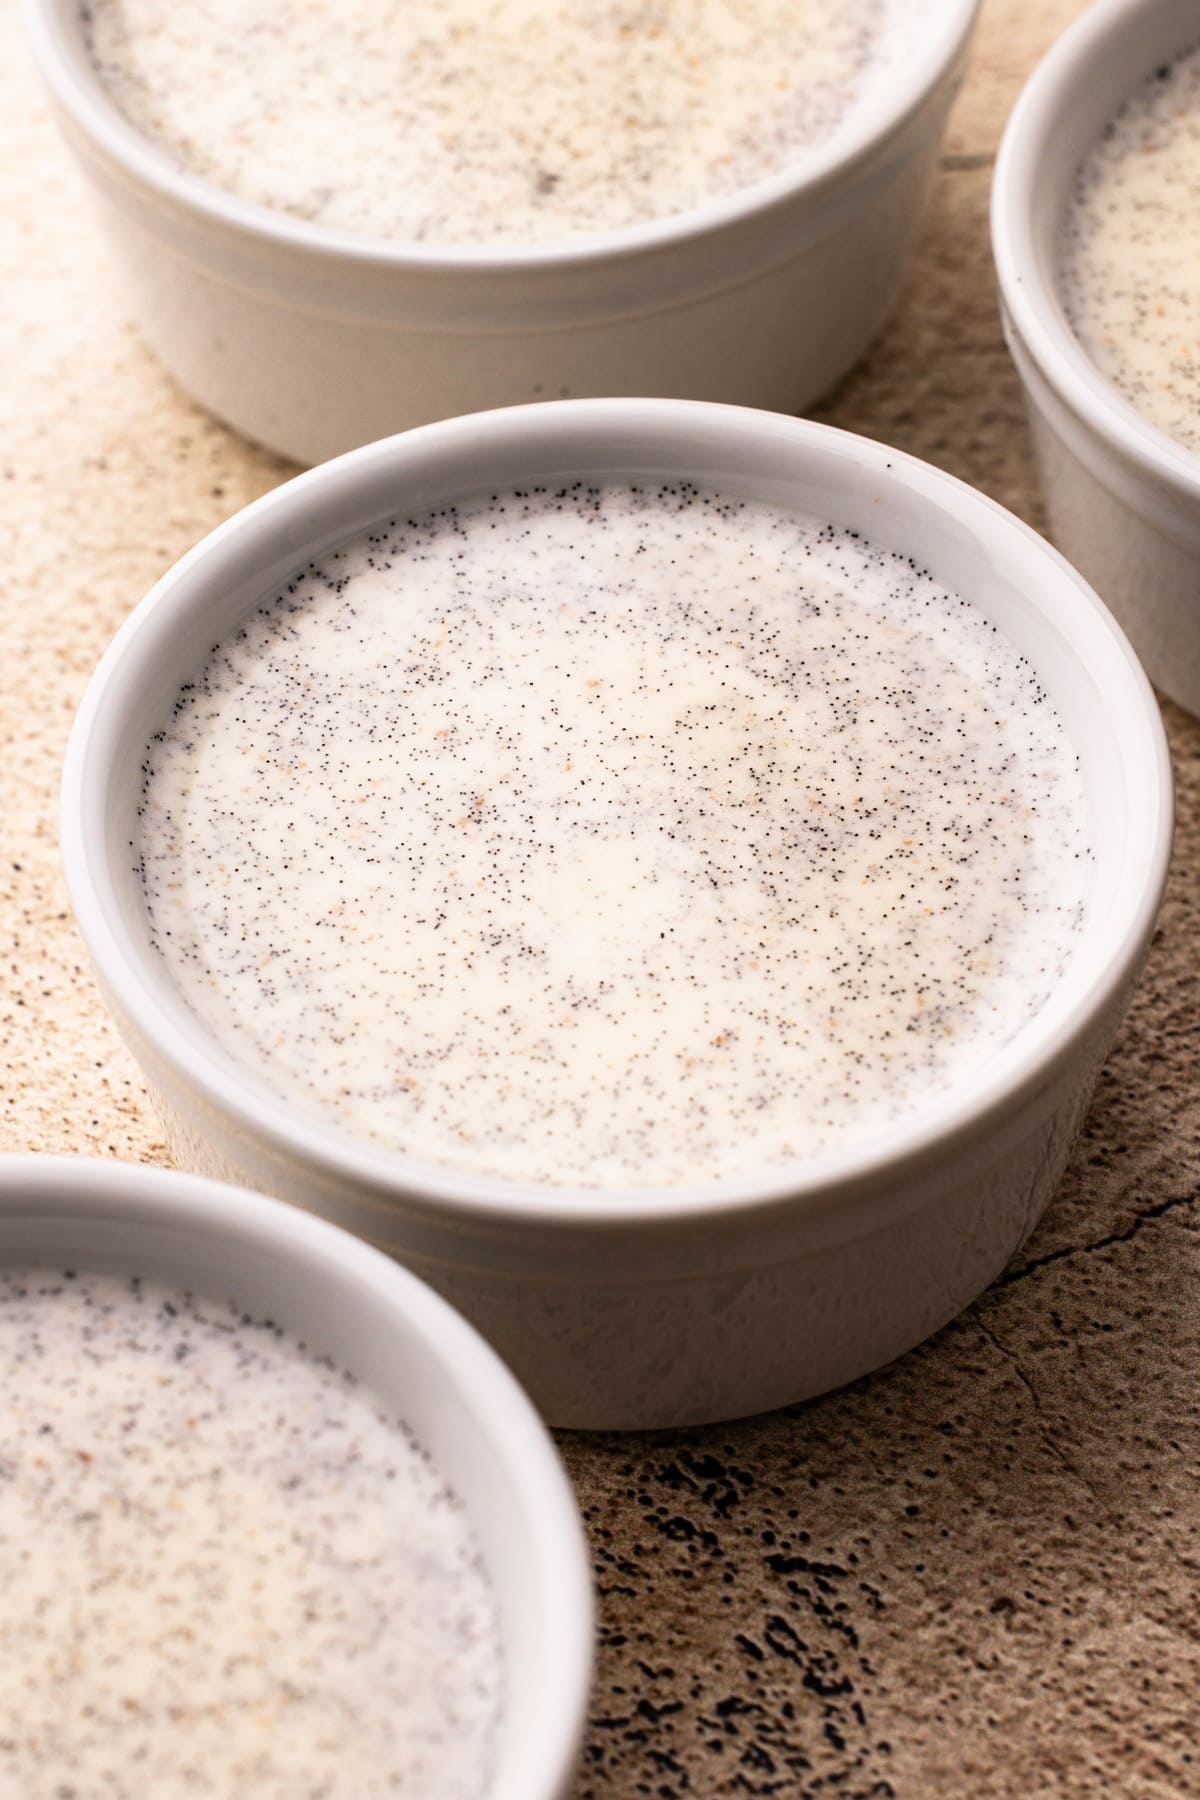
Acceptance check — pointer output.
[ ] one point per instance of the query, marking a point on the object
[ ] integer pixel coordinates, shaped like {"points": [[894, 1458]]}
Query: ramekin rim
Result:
{"points": [[83, 98], [1032, 307], [70, 1184], [808, 1185]]}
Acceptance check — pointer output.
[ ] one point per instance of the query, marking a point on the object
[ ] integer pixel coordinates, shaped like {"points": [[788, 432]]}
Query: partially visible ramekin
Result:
{"points": [[656, 1307], [403, 1344], [1122, 497], [312, 340]]}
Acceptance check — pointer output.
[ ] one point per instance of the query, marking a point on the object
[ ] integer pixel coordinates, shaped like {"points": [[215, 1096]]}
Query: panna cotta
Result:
{"points": [[226, 1570], [492, 121], [1130, 268], [613, 835]]}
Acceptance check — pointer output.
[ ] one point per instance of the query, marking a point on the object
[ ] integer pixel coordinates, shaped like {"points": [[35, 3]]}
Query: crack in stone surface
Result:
{"points": [[1012, 1361], [1149, 1216]]}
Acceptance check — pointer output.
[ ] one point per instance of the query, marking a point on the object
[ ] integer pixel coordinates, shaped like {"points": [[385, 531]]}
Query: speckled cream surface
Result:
{"points": [[973, 1573], [676, 835], [225, 1570], [492, 121], [1130, 249]]}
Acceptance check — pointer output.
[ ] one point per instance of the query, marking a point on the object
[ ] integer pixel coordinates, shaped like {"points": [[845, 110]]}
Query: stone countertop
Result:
{"points": [[972, 1574]]}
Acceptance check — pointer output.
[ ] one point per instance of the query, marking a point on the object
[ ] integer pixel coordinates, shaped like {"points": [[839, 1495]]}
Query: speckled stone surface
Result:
{"points": [[975, 1573]]}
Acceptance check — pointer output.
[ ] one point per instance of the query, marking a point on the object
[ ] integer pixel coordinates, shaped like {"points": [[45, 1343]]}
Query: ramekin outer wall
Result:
{"points": [[311, 352], [795, 1313], [618, 1310]]}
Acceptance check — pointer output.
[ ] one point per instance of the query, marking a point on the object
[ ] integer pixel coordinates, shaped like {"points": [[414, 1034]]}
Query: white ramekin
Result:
{"points": [[651, 1307], [403, 1343], [313, 340], [1122, 497]]}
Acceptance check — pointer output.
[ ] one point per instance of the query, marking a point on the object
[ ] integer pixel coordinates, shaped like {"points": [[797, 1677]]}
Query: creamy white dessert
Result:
{"points": [[224, 1570], [1130, 269], [611, 836], [491, 121]]}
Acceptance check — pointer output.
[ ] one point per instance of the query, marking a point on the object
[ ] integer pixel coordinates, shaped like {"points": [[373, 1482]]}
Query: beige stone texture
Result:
{"points": [[974, 1574]]}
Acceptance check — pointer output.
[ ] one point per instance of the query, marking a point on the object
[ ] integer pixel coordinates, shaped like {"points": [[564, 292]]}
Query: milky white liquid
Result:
{"points": [[225, 1571], [492, 121], [614, 837], [1131, 250]]}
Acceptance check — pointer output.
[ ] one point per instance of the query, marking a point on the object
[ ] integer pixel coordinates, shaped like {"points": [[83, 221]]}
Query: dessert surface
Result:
{"points": [[492, 121], [614, 836], [225, 1569], [1131, 250]]}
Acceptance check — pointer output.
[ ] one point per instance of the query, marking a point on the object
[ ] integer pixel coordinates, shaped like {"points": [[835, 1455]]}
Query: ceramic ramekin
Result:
{"points": [[651, 1307], [1123, 498], [313, 340], [403, 1343]]}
